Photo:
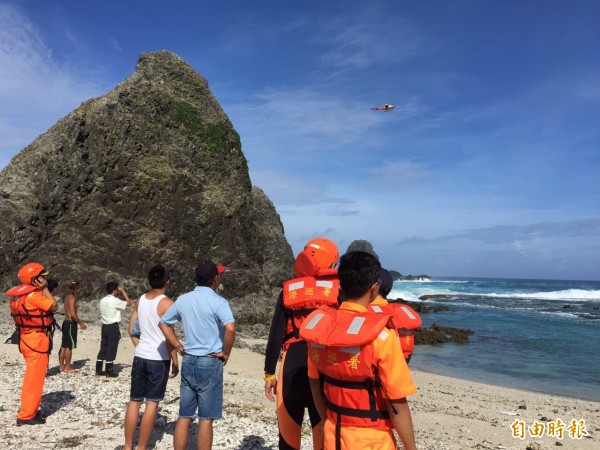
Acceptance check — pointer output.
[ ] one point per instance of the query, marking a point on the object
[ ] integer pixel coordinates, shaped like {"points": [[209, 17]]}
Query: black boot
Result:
{"points": [[99, 370], [110, 371]]}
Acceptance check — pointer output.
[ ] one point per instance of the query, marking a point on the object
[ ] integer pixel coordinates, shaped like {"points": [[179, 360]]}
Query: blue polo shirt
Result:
{"points": [[204, 315]]}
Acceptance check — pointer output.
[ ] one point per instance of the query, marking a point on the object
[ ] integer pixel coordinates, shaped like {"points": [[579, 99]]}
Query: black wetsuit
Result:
{"points": [[293, 384]]}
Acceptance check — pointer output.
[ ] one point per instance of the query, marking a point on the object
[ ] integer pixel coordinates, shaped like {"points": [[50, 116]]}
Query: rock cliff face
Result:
{"points": [[152, 172]]}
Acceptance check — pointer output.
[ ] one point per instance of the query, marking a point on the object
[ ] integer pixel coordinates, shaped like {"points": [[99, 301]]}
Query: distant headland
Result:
{"points": [[397, 276]]}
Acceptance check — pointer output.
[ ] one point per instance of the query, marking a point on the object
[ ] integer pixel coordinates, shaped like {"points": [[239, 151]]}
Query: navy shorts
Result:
{"points": [[149, 379], [69, 334], [201, 389]]}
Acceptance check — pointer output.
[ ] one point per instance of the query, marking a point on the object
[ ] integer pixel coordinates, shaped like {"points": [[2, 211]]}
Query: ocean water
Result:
{"points": [[540, 335]]}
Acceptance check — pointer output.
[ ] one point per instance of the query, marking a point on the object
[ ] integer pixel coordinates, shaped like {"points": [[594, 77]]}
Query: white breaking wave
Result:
{"points": [[566, 295], [433, 281]]}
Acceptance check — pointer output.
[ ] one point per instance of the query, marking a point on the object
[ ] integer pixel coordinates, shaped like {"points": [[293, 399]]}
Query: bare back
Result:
{"points": [[70, 307]]}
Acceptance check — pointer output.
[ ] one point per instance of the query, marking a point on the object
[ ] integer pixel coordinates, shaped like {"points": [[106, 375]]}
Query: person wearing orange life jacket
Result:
{"points": [[32, 307], [315, 284], [358, 376], [405, 319]]}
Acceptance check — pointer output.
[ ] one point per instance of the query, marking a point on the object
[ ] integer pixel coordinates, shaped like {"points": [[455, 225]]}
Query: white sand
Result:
{"points": [[86, 412]]}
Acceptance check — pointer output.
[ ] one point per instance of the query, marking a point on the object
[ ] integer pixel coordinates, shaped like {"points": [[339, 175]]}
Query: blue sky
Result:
{"points": [[489, 165]]}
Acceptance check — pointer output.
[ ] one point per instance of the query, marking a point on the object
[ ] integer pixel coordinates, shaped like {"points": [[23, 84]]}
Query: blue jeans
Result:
{"points": [[201, 390], [149, 379]]}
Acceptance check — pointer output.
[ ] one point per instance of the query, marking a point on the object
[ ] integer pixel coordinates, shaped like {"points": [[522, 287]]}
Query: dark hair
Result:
{"points": [[358, 271], [158, 276], [111, 287], [73, 286], [52, 284], [384, 291], [204, 283]]}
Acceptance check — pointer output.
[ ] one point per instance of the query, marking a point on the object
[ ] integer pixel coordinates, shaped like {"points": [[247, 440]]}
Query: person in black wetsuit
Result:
{"points": [[315, 284]]}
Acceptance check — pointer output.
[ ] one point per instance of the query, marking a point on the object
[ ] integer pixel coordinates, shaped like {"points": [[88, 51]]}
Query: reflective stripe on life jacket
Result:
{"points": [[301, 296], [340, 346], [405, 320]]}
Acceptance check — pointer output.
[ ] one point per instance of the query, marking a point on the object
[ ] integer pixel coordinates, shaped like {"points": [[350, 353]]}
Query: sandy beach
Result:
{"points": [[87, 412]]}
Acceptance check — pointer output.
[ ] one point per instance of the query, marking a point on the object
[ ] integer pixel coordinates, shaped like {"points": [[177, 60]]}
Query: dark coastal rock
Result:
{"points": [[422, 308], [152, 172], [437, 334], [397, 276], [434, 297]]}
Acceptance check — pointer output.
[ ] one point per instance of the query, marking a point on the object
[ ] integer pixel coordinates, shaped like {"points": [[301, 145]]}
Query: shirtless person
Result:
{"points": [[69, 329]]}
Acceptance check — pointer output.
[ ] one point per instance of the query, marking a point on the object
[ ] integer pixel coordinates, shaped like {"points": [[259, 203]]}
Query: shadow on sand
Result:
{"points": [[77, 365], [253, 443], [250, 442], [54, 401], [161, 428]]}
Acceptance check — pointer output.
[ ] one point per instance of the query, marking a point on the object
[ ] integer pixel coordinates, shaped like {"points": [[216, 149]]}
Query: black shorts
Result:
{"points": [[69, 334], [149, 379]]}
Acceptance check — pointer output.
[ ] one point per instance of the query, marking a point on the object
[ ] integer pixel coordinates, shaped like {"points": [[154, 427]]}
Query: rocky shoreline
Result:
{"points": [[436, 334], [87, 412]]}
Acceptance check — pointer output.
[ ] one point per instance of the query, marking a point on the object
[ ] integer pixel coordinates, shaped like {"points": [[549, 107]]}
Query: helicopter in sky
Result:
{"points": [[385, 107]]}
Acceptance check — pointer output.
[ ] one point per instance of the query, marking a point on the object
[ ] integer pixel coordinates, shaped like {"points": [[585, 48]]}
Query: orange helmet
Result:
{"points": [[318, 258], [30, 271], [324, 252]]}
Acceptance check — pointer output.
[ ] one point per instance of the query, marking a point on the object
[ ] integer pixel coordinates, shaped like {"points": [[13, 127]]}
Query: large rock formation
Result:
{"points": [[151, 172]]}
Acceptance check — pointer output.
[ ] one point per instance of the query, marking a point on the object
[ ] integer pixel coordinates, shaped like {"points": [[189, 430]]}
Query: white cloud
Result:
{"points": [[115, 44], [362, 43], [300, 122], [518, 236], [286, 189], [398, 174], [35, 90]]}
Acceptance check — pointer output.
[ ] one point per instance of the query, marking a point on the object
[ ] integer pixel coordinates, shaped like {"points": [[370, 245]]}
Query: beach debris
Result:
{"points": [[523, 406], [74, 441], [558, 444], [533, 446], [508, 413], [171, 400], [161, 422]]}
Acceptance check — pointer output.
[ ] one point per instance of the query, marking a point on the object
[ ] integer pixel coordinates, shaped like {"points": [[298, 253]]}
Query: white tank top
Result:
{"points": [[152, 343]]}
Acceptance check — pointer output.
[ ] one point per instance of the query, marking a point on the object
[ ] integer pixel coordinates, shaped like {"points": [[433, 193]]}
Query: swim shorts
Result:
{"points": [[69, 334]]}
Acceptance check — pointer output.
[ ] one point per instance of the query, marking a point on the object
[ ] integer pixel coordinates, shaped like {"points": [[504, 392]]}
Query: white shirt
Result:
{"points": [[110, 309], [153, 344]]}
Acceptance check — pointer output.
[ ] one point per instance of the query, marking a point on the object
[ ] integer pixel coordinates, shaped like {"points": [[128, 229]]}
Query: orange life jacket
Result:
{"points": [[339, 344], [301, 296], [405, 320], [28, 320]]}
